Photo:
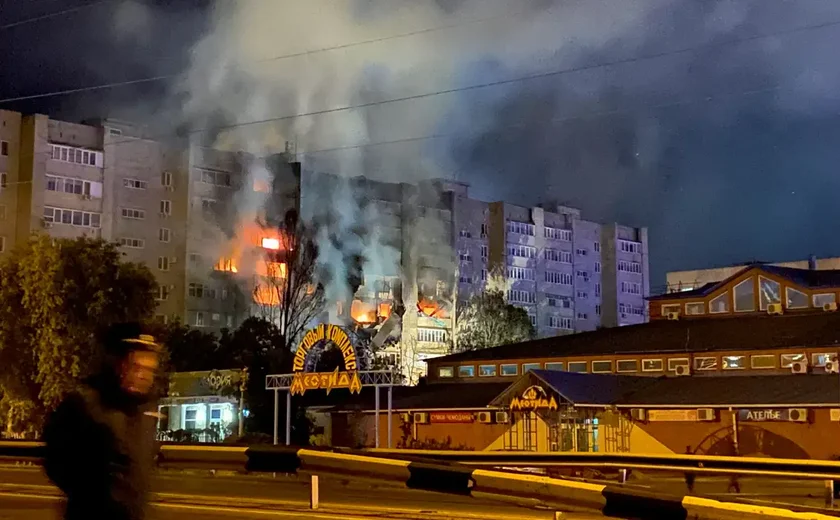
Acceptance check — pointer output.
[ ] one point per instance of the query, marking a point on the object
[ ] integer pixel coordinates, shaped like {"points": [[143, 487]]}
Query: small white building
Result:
{"points": [[200, 406]]}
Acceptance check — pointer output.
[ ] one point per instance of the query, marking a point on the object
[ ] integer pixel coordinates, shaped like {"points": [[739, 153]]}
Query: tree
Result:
{"points": [[57, 295], [289, 294], [487, 320]]}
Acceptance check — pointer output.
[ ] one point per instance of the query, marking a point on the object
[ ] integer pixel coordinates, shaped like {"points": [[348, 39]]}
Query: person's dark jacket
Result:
{"points": [[100, 449]]}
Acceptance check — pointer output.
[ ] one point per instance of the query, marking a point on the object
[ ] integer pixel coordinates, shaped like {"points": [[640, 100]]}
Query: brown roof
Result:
{"points": [[663, 336]]}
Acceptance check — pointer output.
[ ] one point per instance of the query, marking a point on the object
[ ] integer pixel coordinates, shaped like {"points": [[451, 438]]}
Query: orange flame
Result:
{"points": [[432, 309], [266, 295], [262, 186], [274, 270], [270, 243], [385, 310], [226, 264], [363, 312]]}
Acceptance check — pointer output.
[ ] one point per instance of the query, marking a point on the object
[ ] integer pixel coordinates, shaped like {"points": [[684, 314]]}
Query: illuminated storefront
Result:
{"points": [[201, 406]]}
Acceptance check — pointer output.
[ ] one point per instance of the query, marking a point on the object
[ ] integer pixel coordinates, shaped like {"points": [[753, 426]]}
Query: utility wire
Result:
{"points": [[51, 15]]}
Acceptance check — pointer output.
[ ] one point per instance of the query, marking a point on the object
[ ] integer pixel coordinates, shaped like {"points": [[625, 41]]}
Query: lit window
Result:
{"points": [[734, 362], [821, 300], [446, 372], [554, 366], [466, 371], [199, 319], [789, 359], [271, 243], [745, 296], [705, 363], [577, 366], [601, 367], [763, 361], [770, 292], [510, 370], [652, 365], [819, 360], [695, 308], [670, 308], [673, 363], [487, 370], [719, 304], [527, 367], [796, 299], [627, 365]]}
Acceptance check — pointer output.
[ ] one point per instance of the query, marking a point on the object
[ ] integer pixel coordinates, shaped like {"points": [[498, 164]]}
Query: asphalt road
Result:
{"points": [[26, 493]]}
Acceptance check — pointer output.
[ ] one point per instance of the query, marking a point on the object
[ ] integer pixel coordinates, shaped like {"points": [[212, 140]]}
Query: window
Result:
{"points": [[199, 319], [134, 214], [819, 360], [133, 243], [509, 370], [789, 359], [487, 370], [72, 217], [215, 317], [582, 294], [466, 371], [796, 299], [522, 228], [719, 304], [558, 277], [629, 267], [75, 155], [465, 233], [601, 367], [166, 179], [164, 234], [190, 415], [598, 310], [527, 367], [446, 372], [520, 273], [217, 178], [229, 321], [520, 296], [554, 366], [597, 290], [673, 363], [2, 212], [580, 252], [582, 316], [521, 251], [465, 256], [763, 361], [631, 288], [821, 300], [166, 207], [627, 365], [163, 293], [596, 246], [135, 184], [770, 292], [559, 301], [215, 415], [431, 335], [669, 308], [705, 363], [115, 132], [652, 365], [4, 148], [577, 366], [558, 256], [558, 234], [484, 231], [3, 180], [163, 263], [583, 275], [559, 322], [597, 267], [627, 246], [484, 275], [465, 279], [745, 296], [533, 319], [484, 252], [695, 308], [734, 362], [196, 290]]}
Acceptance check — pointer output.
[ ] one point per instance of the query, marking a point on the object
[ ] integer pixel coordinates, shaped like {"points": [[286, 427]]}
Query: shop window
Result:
{"points": [[820, 300], [769, 291], [734, 362], [577, 366], [652, 365], [627, 365], [745, 296], [673, 363], [445, 372], [705, 363], [487, 370], [466, 371], [819, 360], [763, 361], [695, 308], [719, 304], [796, 299], [191, 418], [554, 366], [668, 309], [527, 367], [602, 367], [789, 359], [510, 370]]}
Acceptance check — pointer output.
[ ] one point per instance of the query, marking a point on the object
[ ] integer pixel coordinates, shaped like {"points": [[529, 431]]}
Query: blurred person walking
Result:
{"points": [[100, 444]]}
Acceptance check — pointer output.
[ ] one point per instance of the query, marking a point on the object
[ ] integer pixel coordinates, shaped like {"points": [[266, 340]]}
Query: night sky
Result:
{"points": [[717, 128]]}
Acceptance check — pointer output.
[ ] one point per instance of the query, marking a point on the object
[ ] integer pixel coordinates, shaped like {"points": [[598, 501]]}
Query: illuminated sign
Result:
{"points": [[304, 381], [216, 380], [771, 415], [322, 333], [672, 415], [533, 398], [451, 417]]}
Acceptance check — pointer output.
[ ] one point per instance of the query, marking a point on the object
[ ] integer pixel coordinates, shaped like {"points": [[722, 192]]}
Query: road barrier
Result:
{"points": [[610, 500]]}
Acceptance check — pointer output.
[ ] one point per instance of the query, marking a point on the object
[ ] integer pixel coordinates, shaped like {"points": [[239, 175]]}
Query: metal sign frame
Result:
{"points": [[374, 378]]}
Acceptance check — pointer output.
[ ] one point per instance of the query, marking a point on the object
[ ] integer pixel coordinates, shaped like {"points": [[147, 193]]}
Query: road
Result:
{"points": [[26, 493]]}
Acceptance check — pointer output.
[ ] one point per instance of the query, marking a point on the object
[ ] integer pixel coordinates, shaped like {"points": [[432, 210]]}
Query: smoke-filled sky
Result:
{"points": [[715, 124]]}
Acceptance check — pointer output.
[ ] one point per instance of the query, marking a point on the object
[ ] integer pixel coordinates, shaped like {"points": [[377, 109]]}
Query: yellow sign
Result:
{"points": [[672, 415], [324, 332], [304, 381], [533, 398]]}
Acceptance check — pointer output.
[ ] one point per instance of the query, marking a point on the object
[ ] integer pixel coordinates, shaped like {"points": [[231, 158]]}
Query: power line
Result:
{"points": [[152, 79], [51, 15]]}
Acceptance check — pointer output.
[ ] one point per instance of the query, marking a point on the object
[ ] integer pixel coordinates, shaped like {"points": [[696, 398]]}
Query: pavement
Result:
{"points": [[27, 493]]}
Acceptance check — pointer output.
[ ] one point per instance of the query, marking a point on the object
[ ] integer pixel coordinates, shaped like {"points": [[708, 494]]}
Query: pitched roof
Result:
{"points": [[751, 332], [421, 397], [598, 389]]}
